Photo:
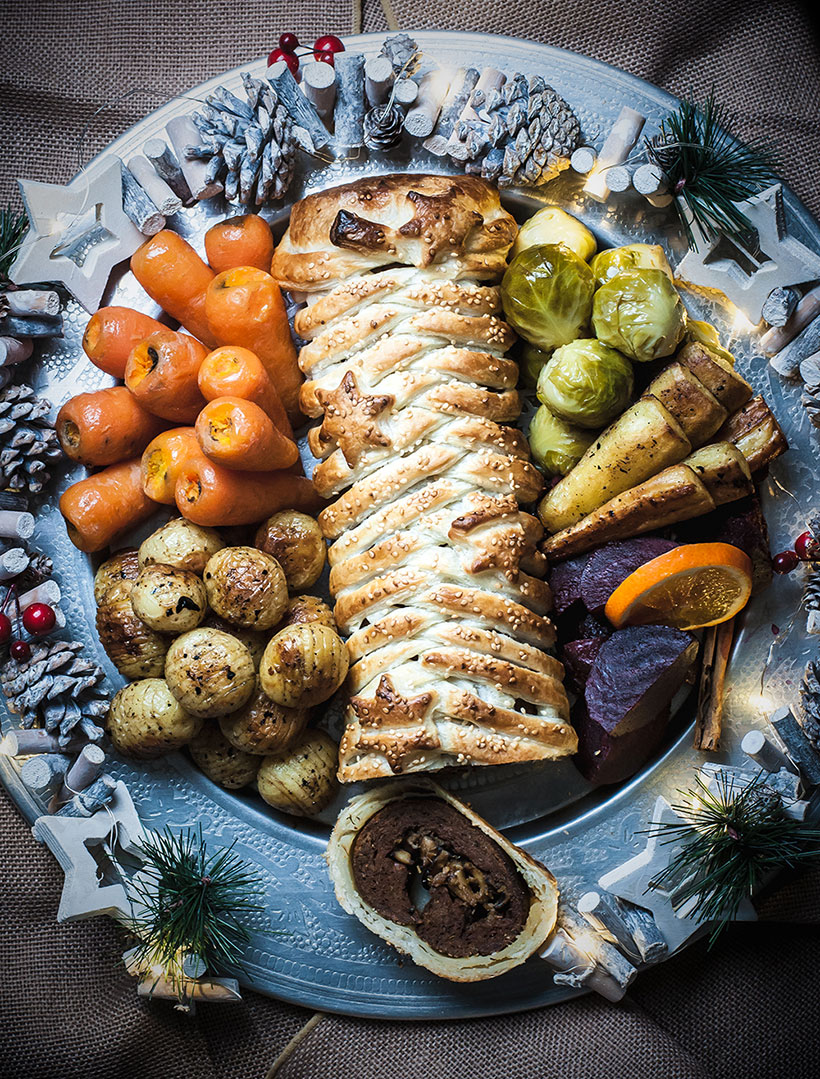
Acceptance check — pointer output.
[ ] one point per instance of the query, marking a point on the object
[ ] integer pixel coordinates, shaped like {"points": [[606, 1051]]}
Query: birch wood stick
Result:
{"points": [[224, 990], [583, 160], [12, 563], [44, 774], [348, 118], [167, 167], [83, 772], [618, 179], [90, 800], [405, 91], [606, 919], [489, 79], [779, 306], [16, 524], [797, 745], [757, 746], [717, 645], [138, 206], [35, 326], [575, 968], [606, 957], [14, 351], [158, 191], [13, 500], [617, 146], [649, 180], [303, 113], [319, 86], [378, 80], [461, 87], [45, 592], [183, 132], [787, 361], [22, 743], [779, 336], [27, 301], [194, 966], [421, 119], [645, 932]]}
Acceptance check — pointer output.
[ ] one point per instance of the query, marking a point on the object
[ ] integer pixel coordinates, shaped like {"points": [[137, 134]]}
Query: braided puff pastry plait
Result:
{"points": [[434, 568]]}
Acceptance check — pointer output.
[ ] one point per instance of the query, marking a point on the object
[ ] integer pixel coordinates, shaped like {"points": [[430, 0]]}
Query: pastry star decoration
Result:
{"points": [[747, 278], [350, 418], [77, 234], [389, 709]]}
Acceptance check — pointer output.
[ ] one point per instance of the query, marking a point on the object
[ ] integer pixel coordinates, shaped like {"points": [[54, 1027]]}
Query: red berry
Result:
{"points": [[20, 651], [288, 42], [326, 43], [784, 562], [291, 59], [807, 548], [39, 618], [5, 629], [327, 58]]}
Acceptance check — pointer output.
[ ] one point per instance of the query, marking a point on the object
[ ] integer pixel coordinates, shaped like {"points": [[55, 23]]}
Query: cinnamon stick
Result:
{"points": [[717, 644]]}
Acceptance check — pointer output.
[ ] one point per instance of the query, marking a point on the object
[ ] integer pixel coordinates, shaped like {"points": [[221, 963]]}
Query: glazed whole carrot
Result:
{"points": [[211, 495], [111, 334], [162, 374], [245, 307], [100, 507], [239, 241], [230, 371], [106, 426], [162, 460], [239, 434], [174, 275]]}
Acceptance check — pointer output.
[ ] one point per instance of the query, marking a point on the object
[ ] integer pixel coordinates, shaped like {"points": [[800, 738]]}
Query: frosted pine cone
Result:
{"points": [[524, 136], [383, 127], [56, 689], [28, 441], [810, 700], [249, 144], [399, 50]]}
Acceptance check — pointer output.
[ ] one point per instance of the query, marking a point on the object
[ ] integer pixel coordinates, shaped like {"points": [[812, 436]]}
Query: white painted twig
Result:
{"points": [[21, 743], [12, 563], [33, 302], [583, 160], [13, 350], [16, 524], [757, 746], [183, 132], [158, 191], [44, 774], [421, 119], [138, 206], [378, 80], [167, 167], [83, 772], [45, 592], [619, 142], [779, 336], [319, 86]]}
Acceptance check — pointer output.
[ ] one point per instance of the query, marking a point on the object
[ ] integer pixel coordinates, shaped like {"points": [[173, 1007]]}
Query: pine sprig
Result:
{"points": [[189, 903], [708, 168], [735, 836], [13, 227]]}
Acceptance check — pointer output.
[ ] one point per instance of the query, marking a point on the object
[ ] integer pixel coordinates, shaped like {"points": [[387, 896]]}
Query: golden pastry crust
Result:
{"points": [[435, 568], [453, 222]]}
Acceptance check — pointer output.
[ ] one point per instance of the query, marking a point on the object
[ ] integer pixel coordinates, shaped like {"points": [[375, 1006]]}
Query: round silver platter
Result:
{"points": [[304, 948]]}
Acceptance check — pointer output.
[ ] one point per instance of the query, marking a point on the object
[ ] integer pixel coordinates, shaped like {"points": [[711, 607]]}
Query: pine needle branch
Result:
{"points": [[190, 903], [734, 838], [709, 169], [13, 227]]}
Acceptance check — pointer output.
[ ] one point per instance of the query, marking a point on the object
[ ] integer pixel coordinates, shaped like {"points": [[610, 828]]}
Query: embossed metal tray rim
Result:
{"points": [[304, 949]]}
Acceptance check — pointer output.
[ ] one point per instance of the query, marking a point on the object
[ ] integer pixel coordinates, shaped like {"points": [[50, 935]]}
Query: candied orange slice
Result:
{"points": [[695, 585]]}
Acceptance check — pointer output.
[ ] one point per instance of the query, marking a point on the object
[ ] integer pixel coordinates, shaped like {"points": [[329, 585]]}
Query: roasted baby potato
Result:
{"points": [[302, 780], [296, 542], [220, 761], [115, 576], [303, 665], [307, 609], [136, 650], [246, 587], [254, 642], [181, 544], [145, 720], [169, 600], [262, 726], [209, 672]]}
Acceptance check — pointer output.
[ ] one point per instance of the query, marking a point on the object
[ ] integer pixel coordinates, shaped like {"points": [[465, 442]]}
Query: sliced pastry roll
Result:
{"points": [[489, 905]]}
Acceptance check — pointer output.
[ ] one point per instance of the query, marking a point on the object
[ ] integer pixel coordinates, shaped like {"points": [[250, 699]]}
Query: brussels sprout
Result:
{"points": [[532, 360], [615, 260], [557, 446], [640, 313], [554, 226], [547, 295], [586, 383], [706, 334]]}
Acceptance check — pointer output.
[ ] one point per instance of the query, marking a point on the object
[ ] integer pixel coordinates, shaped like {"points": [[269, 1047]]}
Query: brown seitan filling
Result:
{"points": [[478, 903]]}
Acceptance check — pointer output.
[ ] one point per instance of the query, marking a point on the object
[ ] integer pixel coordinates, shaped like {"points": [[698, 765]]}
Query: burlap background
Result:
{"points": [[749, 1009]]}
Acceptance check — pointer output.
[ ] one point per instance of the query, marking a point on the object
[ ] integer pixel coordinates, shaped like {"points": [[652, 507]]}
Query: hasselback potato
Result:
{"points": [[246, 587], [295, 540], [302, 780], [136, 650], [220, 761], [209, 672], [169, 600], [115, 576], [146, 721], [303, 665], [181, 544], [262, 726]]}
